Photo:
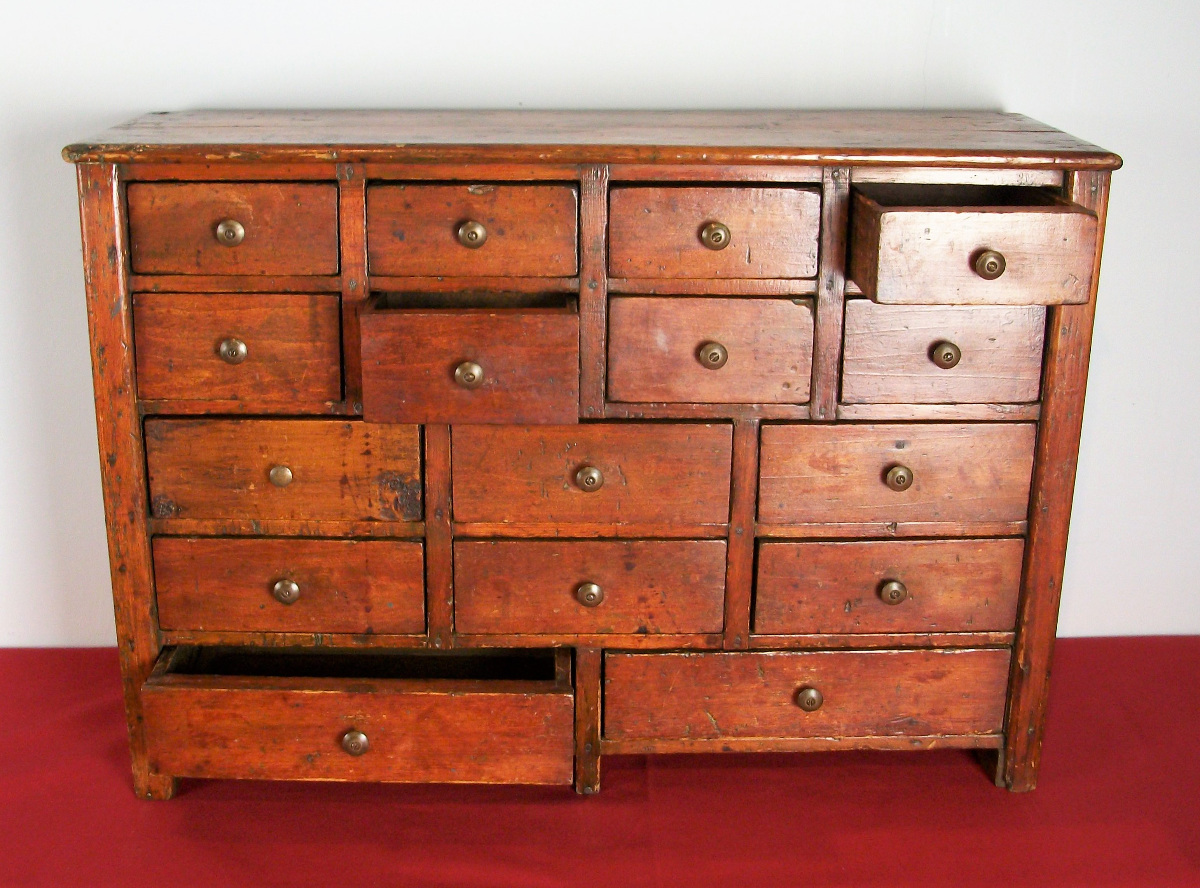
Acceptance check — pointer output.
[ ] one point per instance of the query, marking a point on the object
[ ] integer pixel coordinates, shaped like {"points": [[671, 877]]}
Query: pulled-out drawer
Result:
{"points": [[295, 715]]}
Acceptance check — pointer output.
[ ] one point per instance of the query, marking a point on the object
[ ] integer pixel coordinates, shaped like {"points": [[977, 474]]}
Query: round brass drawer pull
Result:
{"points": [[893, 592], [589, 594], [589, 478], [232, 351], [281, 476], [469, 375], [286, 591], [945, 354], [355, 742], [899, 477], [472, 234], [809, 699], [230, 232], [712, 355], [715, 236], [989, 265]]}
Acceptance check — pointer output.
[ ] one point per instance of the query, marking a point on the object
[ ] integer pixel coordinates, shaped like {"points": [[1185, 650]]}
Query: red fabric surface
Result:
{"points": [[1118, 804]]}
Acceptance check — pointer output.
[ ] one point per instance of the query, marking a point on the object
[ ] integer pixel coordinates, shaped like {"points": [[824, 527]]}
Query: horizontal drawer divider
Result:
{"points": [[798, 744], [235, 283], [564, 531], [293, 639], [283, 527], [882, 530], [882, 640], [714, 286], [938, 412], [390, 282]]}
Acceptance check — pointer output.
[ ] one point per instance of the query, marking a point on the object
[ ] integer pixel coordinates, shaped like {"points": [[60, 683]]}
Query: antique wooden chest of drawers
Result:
{"points": [[473, 446]]}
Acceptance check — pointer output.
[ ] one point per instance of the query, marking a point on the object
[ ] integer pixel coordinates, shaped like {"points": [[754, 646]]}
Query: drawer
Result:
{"points": [[592, 586], [888, 586], [595, 473], [710, 351], [232, 713], [233, 228], [517, 366], [915, 354], [712, 696], [473, 230], [268, 351], [708, 232], [296, 469], [843, 474], [292, 585], [970, 244]]}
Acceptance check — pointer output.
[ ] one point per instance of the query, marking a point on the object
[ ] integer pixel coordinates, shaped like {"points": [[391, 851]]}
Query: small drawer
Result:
{"points": [[883, 474], [233, 228], [268, 351], [845, 694], [970, 244], [596, 473], [887, 586], [518, 366], [292, 585], [398, 717], [710, 351], [473, 230], [592, 586], [296, 469], [740, 232], [914, 354]]}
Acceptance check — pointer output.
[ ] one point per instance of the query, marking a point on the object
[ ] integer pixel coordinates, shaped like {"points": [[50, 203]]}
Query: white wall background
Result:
{"points": [[1125, 77]]}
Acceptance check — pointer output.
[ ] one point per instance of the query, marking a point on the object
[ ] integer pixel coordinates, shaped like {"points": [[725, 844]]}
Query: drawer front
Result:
{"points": [[665, 233], [596, 474], [839, 474], [888, 586], [470, 365], [862, 693], [289, 469], [910, 354], [644, 587], [233, 228], [715, 351], [267, 351], [295, 585], [523, 230]]}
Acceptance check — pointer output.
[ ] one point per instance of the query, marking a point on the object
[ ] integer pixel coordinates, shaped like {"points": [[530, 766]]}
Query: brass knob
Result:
{"points": [[589, 594], [472, 234], [230, 232], [589, 478], [715, 236], [989, 265], [893, 592], [355, 742], [809, 699], [281, 476], [945, 354], [232, 351], [899, 477], [286, 591], [712, 355], [469, 375]]}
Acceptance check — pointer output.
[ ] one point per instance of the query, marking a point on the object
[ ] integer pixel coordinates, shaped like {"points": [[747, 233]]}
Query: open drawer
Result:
{"points": [[478, 717]]}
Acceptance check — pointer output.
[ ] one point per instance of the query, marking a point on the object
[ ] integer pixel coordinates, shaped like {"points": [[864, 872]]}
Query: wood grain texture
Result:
{"points": [[831, 292], [234, 283], [354, 586], [654, 232], [284, 527], [289, 229], [654, 344], [827, 587], [739, 571], [797, 744], [293, 348], [881, 640], [532, 230], [746, 694], [649, 587], [941, 412], [439, 556], [588, 708], [352, 239], [765, 287], [214, 468], [593, 290], [667, 474], [835, 474]]}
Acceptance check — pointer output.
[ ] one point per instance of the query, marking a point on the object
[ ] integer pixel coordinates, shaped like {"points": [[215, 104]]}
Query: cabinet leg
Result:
{"points": [[588, 663], [157, 787]]}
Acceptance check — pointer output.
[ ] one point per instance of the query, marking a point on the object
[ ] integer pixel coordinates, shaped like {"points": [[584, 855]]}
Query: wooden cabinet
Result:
{"points": [[471, 447]]}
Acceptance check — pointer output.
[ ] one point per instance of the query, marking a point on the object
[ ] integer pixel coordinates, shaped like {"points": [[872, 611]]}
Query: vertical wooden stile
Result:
{"points": [[439, 554], [593, 290], [831, 288], [739, 572], [352, 222], [588, 667]]}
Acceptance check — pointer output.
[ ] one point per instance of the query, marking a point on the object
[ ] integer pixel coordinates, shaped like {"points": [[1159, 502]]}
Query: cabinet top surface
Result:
{"points": [[974, 138]]}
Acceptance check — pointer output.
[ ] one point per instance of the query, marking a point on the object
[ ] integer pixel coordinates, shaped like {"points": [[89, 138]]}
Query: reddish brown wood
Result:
{"points": [[289, 229], [958, 176], [293, 640], [472, 290], [614, 410], [710, 286], [739, 572], [208, 172], [588, 530], [888, 529], [882, 640], [796, 744], [593, 290], [439, 557], [928, 412], [588, 664], [352, 237], [831, 285], [702, 172], [284, 527], [234, 283]]}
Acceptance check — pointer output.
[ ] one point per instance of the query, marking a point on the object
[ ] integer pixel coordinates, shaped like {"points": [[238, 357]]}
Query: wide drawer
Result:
{"points": [[293, 585], [711, 232], [717, 351], [598, 474], [384, 717], [473, 230], [299, 469], [268, 351], [591, 586], [233, 228], [517, 366], [850, 474], [915, 354], [843, 694], [887, 586], [970, 244]]}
